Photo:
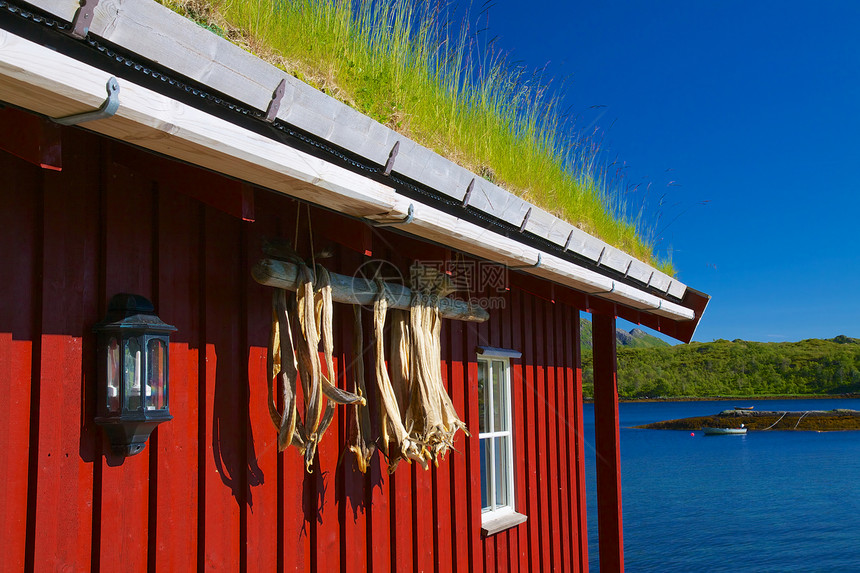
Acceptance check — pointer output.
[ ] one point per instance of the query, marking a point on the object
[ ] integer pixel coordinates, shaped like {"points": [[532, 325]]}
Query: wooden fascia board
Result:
{"points": [[51, 84]]}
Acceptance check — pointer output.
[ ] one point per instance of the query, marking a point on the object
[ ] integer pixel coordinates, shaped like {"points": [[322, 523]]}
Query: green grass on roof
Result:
{"points": [[395, 61]]}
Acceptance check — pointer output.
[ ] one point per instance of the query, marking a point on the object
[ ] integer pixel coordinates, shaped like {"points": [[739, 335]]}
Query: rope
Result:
{"points": [[777, 422], [800, 418]]}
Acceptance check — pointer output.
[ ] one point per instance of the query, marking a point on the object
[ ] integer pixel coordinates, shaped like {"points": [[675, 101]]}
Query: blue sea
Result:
{"points": [[765, 501]]}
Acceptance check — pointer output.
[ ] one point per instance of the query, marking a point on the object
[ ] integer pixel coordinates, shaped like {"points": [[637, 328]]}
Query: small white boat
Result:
{"points": [[723, 431]]}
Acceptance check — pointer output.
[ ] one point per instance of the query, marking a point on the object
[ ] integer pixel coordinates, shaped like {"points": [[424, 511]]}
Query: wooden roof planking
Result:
{"points": [[155, 33]]}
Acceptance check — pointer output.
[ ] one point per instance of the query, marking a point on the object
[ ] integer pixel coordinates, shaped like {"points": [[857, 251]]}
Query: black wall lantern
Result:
{"points": [[133, 349]]}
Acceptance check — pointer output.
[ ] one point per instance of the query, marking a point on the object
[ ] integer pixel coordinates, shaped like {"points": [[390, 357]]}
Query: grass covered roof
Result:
{"points": [[402, 64]]}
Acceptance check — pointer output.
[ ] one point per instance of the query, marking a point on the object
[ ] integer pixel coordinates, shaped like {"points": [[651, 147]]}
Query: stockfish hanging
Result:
{"points": [[393, 429], [361, 439], [417, 417], [418, 421], [309, 316]]}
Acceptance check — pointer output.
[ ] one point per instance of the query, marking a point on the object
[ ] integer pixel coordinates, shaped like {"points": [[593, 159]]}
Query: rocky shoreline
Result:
{"points": [[812, 420]]}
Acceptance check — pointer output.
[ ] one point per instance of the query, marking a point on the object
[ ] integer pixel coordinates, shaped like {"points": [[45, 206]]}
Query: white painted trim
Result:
{"points": [[500, 521], [491, 352]]}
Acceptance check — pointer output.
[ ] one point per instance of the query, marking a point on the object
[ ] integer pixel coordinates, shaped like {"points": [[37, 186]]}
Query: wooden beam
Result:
{"points": [[358, 290], [608, 445], [31, 138], [51, 84]]}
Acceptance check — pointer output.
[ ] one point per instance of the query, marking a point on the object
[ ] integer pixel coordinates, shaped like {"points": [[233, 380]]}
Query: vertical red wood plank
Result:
{"points": [[295, 526], [486, 332], [178, 304], [520, 432], [402, 518], [328, 529], [552, 451], [459, 476], [354, 508], [607, 444], [378, 483], [224, 452], [32, 138], [530, 437], [571, 435], [67, 445], [564, 423], [542, 459], [490, 553], [499, 338], [15, 370], [422, 498], [473, 458], [509, 326], [19, 236], [129, 225], [442, 474], [579, 450], [262, 443], [380, 512], [294, 515]]}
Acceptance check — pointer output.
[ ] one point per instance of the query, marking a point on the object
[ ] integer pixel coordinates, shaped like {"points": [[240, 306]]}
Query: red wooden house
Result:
{"points": [[174, 194]]}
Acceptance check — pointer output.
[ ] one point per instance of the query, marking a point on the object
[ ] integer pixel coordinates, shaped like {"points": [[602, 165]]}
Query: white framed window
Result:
{"points": [[495, 434]]}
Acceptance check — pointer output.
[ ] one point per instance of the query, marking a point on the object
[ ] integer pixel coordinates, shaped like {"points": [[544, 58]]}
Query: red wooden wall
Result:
{"points": [[210, 491]]}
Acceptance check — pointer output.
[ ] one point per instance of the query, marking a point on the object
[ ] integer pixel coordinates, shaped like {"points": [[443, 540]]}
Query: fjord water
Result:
{"points": [[765, 502]]}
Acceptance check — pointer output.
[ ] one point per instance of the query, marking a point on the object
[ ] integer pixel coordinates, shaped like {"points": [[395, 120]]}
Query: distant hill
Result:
{"points": [[636, 338], [736, 368]]}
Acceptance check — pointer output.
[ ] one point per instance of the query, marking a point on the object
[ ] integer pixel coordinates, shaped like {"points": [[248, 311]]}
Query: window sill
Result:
{"points": [[496, 524]]}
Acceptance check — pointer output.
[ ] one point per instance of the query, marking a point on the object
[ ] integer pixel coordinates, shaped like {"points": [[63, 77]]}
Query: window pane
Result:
{"points": [[131, 374], [156, 383], [500, 398], [483, 398], [502, 464], [485, 475]]}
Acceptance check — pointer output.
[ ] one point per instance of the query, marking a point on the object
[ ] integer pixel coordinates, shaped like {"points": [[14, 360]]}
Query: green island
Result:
{"points": [[815, 420], [649, 368]]}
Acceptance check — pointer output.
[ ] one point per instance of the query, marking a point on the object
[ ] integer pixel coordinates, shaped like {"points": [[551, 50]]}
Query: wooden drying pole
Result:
{"points": [[357, 290]]}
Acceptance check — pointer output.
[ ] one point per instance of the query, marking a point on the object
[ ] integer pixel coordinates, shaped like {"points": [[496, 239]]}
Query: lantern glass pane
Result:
{"points": [[156, 383], [113, 377], [131, 374]]}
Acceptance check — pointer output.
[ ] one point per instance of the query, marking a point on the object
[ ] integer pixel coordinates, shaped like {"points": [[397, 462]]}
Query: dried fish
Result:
{"points": [[361, 440], [291, 358]]}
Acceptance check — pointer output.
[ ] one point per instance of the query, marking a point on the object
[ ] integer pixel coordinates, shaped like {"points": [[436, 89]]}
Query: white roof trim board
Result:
{"points": [[66, 86]]}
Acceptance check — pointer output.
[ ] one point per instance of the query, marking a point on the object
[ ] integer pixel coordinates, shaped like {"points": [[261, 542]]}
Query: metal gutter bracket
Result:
{"points": [[389, 165], [600, 258], [610, 291], [567, 243], [526, 220], [83, 18], [468, 193], [275, 103], [107, 109], [410, 216], [534, 266]]}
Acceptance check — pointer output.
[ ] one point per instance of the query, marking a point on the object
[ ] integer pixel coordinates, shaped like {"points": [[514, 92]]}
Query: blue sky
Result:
{"points": [[746, 115]]}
